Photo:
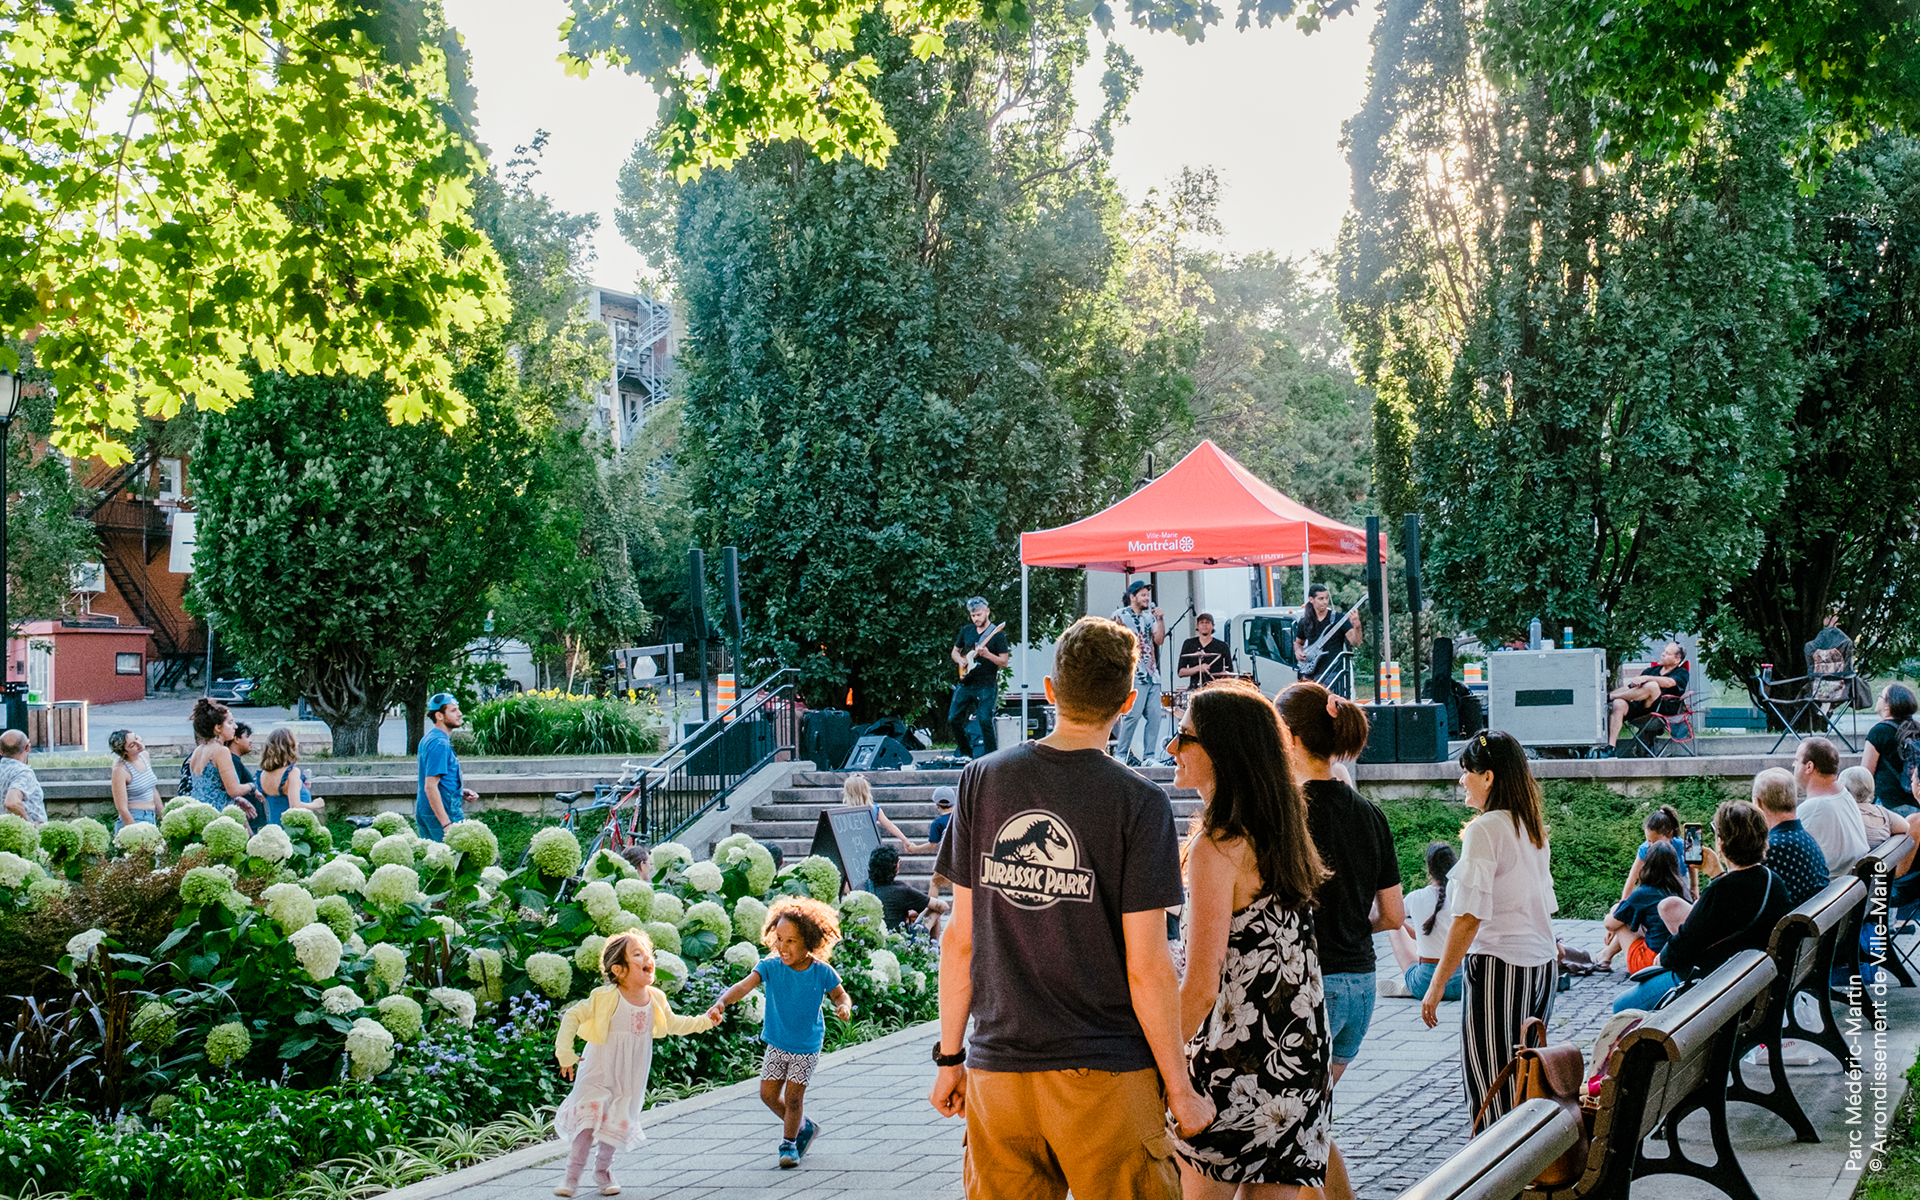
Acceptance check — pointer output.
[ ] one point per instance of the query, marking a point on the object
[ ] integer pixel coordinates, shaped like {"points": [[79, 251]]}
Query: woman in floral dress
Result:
{"points": [[1251, 1008]]}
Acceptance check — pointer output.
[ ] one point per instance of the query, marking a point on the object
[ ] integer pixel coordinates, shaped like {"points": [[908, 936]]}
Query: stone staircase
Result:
{"points": [[788, 817]]}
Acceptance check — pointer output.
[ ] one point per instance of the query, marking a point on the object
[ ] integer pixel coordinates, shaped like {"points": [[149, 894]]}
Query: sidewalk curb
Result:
{"points": [[547, 1152]]}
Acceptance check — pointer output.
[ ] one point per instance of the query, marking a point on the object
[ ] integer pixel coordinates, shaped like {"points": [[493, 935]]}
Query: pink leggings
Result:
{"points": [[577, 1161]]}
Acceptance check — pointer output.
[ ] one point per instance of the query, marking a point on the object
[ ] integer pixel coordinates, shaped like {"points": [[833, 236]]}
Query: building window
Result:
{"points": [[172, 480], [128, 664]]}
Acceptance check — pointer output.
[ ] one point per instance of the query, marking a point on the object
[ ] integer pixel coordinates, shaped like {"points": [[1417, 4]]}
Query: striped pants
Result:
{"points": [[1498, 997]]}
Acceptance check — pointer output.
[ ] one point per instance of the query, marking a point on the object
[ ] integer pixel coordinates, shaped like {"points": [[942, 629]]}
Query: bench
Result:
{"points": [[1503, 1161], [1674, 1064], [1805, 945], [1876, 870]]}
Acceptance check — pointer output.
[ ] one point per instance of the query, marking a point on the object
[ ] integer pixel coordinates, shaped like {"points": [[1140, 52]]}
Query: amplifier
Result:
{"points": [[1382, 734], [1549, 697], [1421, 732]]}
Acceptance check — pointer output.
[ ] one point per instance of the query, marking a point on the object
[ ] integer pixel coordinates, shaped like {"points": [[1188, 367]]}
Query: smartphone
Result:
{"points": [[1690, 845]]}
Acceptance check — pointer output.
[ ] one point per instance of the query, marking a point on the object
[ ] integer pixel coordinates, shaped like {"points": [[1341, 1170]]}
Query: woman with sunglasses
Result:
{"points": [[1252, 1007], [1502, 898]]}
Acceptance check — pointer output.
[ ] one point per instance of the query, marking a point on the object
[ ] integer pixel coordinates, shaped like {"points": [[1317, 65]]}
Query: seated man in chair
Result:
{"points": [[1637, 699]]}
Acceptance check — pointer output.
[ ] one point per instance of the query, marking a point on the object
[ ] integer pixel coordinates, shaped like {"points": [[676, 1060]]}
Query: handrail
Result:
{"points": [[704, 770]]}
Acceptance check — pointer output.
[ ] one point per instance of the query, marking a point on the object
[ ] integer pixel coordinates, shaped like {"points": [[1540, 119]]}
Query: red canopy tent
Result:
{"points": [[1207, 511]]}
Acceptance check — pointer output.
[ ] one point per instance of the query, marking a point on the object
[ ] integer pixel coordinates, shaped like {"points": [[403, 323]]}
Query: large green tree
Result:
{"points": [[190, 185], [347, 559], [1585, 373], [1847, 532], [45, 540], [891, 372]]}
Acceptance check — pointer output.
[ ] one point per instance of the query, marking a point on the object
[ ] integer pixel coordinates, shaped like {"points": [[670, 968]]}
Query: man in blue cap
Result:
{"points": [[441, 800]]}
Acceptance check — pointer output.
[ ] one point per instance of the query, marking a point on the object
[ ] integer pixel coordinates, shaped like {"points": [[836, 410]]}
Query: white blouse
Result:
{"points": [[1506, 881], [1421, 905]]}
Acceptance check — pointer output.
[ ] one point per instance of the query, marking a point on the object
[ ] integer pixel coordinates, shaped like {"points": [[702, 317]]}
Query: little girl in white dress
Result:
{"points": [[619, 1022]]}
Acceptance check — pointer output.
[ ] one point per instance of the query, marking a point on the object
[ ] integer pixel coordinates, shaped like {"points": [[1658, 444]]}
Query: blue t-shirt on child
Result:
{"points": [[795, 1022], [1641, 854], [1640, 911]]}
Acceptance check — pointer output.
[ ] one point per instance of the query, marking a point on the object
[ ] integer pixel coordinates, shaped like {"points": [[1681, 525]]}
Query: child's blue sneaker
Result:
{"points": [[807, 1132], [789, 1156]]}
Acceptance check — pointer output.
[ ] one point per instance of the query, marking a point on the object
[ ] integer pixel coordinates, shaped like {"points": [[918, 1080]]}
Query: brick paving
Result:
{"points": [[1399, 1111]]}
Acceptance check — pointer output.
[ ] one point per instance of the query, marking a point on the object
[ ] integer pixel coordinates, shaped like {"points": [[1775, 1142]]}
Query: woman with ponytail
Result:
{"points": [[1354, 842], [1418, 944], [1501, 893]]}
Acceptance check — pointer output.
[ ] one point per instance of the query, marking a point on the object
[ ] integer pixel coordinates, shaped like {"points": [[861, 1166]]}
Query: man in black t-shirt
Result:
{"points": [[1204, 658], [1316, 624], [1666, 679], [979, 692], [1063, 863]]}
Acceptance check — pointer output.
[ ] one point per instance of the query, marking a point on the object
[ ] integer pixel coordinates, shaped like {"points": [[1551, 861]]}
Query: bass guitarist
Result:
{"points": [[1314, 628], [980, 649]]}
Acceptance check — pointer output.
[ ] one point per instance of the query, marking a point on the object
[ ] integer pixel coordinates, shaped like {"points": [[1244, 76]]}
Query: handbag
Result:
{"points": [[1556, 1073]]}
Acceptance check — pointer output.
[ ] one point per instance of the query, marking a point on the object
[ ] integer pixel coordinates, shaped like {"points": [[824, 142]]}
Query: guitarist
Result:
{"points": [[979, 692], [1314, 626]]}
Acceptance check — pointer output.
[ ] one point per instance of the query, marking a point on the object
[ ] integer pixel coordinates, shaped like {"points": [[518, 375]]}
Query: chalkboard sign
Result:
{"points": [[848, 836]]}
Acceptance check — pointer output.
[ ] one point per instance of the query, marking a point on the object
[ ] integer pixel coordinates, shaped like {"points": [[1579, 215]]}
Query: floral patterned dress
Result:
{"points": [[1263, 1056], [610, 1087]]}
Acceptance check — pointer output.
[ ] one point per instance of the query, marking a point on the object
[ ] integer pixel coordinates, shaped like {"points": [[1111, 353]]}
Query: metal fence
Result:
{"points": [[699, 774]]}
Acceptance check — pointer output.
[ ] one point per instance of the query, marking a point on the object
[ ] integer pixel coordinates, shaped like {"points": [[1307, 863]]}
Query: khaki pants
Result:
{"points": [[1032, 1135]]}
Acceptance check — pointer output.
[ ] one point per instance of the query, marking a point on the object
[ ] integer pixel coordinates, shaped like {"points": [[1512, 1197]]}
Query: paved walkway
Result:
{"points": [[1400, 1112]]}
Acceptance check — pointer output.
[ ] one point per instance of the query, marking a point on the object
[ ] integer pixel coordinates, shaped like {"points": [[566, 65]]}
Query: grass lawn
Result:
{"points": [[1897, 1175], [1594, 834]]}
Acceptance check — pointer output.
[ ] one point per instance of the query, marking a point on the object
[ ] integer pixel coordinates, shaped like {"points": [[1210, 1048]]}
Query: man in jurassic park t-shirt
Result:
{"points": [[1063, 863]]}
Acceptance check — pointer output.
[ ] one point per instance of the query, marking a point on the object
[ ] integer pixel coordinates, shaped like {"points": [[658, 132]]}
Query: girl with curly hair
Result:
{"points": [[801, 932]]}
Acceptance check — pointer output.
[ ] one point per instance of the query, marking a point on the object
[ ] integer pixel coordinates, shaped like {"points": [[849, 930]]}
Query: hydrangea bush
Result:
{"points": [[388, 960]]}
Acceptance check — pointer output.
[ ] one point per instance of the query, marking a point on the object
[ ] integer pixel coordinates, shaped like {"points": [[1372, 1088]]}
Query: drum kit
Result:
{"points": [[1178, 702]]}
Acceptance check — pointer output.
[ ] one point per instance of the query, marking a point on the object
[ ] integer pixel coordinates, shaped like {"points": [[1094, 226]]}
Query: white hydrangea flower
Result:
{"points": [[437, 855], [270, 845], [82, 946], [493, 876], [341, 1000], [744, 955], [389, 966], [448, 925], [916, 980], [457, 1004], [755, 1006], [395, 849], [139, 838], [485, 969], [587, 956], [599, 899], [550, 973], [318, 949], [290, 905], [336, 877], [703, 877], [369, 1048]]}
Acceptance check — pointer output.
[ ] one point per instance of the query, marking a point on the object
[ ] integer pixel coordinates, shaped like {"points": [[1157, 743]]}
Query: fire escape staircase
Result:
{"points": [[109, 513]]}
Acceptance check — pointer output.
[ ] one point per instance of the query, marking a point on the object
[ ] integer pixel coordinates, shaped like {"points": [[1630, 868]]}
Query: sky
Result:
{"points": [[1263, 108]]}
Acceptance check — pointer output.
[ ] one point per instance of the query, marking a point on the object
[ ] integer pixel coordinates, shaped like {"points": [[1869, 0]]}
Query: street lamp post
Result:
{"points": [[15, 716]]}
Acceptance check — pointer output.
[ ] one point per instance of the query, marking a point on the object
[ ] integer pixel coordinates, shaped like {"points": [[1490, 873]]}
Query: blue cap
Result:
{"points": [[440, 700], [1136, 585]]}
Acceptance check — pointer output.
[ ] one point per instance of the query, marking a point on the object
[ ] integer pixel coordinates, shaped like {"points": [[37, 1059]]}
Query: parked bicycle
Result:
{"points": [[620, 829]]}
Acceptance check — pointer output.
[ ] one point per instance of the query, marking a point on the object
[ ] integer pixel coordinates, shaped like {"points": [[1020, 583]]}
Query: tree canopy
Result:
{"points": [[192, 185], [1654, 71], [735, 74]]}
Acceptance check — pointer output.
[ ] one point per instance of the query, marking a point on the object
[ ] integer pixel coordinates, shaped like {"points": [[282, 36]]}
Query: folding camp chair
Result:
{"points": [[1671, 724], [1793, 702]]}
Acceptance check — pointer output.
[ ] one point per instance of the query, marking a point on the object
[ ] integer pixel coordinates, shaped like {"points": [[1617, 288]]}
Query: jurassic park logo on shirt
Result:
{"points": [[1034, 862]]}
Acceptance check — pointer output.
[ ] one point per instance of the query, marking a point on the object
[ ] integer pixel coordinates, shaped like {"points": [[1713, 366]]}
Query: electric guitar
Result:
{"points": [[966, 664], [1310, 658]]}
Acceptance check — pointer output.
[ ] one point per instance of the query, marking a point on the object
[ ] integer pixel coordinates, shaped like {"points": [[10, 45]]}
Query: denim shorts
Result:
{"points": [[141, 816], [1349, 1011], [1419, 978]]}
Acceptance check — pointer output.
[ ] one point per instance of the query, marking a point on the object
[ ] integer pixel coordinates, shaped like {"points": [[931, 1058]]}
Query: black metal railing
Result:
{"points": [[761, 727]]}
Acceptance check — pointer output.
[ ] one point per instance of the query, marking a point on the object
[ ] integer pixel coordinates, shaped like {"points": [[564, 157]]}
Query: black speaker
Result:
{"points": [[1440, 688], [697, 592], [1413, 599], [1421, 732], [877, 752], [1374, 582], [826, 737], [730, 569], [1382, 735]]}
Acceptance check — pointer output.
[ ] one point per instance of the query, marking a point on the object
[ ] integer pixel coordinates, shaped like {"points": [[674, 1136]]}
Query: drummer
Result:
{"points": [[1204, 658]]}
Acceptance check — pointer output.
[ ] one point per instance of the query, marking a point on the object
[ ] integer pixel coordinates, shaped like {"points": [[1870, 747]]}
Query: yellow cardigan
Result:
{"points": [[589, 1019]]}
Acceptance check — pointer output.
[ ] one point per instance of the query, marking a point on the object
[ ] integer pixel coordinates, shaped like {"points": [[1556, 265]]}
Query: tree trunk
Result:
{"points": [[351, 701]]}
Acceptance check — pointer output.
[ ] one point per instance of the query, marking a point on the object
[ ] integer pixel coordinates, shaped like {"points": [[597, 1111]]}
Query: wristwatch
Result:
{"points": [[948, 1060]]}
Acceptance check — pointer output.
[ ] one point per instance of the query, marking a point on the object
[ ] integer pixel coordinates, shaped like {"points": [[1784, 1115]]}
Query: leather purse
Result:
{"points": [[1555, 1073]]}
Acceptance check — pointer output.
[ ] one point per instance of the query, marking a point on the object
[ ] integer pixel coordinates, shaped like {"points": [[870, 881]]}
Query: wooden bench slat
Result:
{"points": [[1503, 1160]]}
